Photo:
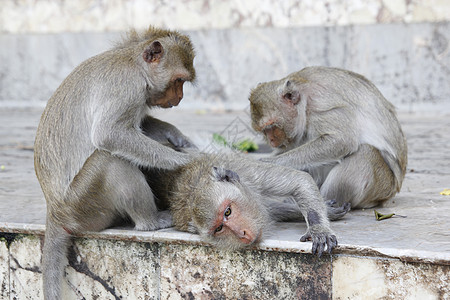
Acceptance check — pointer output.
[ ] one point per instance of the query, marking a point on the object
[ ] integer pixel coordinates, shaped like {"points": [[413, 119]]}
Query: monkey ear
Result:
{"points": [[153, 53], [222, 174], [292, 97]]}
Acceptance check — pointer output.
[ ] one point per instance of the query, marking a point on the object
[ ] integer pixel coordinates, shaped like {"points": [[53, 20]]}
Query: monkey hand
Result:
{"points": [[320, 239], [336, 212], [179, 141]]}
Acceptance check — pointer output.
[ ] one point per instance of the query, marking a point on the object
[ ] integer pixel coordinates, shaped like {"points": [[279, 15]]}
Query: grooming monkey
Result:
{"points": [[336, 125], [89, 145], [230, 200]]}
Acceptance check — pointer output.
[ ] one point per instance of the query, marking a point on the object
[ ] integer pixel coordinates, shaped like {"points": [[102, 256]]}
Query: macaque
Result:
{"points": [[336, 125], [230, 200], [89, 145]]}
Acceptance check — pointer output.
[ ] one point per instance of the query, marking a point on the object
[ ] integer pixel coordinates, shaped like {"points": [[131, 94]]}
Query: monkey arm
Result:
{"points": [[278, 182], [288, 211], [128, 142], [320, 151]]}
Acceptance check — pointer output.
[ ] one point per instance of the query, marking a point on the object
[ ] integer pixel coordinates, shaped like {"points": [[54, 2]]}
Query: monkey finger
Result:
{"points": [[305, 237], [176, 141], [320, 246], [337, 212], [314, 248], [331, 243], [331, 202]]}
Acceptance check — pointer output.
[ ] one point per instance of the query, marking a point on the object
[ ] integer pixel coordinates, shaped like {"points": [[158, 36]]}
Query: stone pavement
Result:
{"points": [[425, 230]]}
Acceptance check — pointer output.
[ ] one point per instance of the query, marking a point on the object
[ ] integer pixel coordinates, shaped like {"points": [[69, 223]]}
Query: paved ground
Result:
{"points": [[426, 228]]}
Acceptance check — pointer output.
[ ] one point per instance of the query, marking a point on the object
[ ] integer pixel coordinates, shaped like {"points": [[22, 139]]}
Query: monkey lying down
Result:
{"points": [[230, 200]]}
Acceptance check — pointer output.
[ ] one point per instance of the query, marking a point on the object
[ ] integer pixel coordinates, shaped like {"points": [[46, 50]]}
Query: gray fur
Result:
{"points": [[89, 145], [337, 126], [195, 191]]}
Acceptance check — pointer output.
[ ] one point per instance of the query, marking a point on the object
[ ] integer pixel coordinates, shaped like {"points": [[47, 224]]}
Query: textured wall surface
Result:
{"points": [[401, 45], [215, 274], [4, 270], [119, 269], [22, 16], [408, 62], [363, 278]]}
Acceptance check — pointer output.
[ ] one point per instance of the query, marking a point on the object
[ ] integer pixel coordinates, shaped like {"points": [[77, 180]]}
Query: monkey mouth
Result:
{"points": [[274, 135], [276, 142]]}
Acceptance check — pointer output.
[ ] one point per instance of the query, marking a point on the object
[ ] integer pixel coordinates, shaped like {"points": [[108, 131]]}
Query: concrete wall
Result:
{"points": [[402, 46], [121, 269], [46, 16]]}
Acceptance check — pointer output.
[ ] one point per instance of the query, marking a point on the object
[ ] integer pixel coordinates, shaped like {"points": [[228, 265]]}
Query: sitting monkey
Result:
{"points": [[89, 144], [336, 125]]}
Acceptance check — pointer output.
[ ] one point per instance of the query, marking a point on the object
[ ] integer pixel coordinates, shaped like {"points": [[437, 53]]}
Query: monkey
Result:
{"points": [[336, 125], [89, 145], [228, 200]]}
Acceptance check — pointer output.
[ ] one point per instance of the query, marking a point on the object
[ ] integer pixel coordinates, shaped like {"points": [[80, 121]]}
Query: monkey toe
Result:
{"points": [[164, 219], [337, 212]]}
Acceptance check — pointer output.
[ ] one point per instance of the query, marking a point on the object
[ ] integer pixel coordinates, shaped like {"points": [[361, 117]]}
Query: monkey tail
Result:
{"points": [[54, 258]]}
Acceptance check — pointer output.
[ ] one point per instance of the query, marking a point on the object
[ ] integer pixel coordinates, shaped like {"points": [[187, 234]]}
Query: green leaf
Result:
{"points": [[246, 145], [380, 216], [219, 139]]}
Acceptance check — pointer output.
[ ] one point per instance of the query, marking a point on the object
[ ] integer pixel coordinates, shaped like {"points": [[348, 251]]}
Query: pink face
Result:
{"points": [[173, 94], [274, 135], [230, 221]]}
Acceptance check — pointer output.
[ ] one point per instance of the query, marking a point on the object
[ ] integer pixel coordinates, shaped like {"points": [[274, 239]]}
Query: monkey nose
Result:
{"points": [[247, 237]]}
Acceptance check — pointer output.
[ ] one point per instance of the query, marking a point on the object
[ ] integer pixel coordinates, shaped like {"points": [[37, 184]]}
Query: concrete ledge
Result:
{"points": [[167, 264], [284, 240]]}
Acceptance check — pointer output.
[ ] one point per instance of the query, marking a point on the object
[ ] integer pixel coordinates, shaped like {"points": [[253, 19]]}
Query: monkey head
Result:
{"points": [[276, 108], [224, 211], [168, 62]]}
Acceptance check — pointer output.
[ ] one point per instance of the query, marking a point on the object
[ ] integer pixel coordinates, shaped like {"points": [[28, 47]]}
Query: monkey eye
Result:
{"points": [[227, 212], [219, 229], [179, 80]]}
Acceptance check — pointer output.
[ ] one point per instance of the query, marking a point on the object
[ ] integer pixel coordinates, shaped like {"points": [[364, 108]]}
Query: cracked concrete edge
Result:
{"points": [[177, 237]]}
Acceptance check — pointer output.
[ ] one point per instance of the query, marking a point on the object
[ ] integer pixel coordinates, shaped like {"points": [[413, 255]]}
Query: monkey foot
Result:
{"points": [[336, 212], [164, 220]]}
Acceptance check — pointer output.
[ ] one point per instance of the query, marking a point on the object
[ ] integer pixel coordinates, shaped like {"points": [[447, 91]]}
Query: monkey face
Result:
{"points": [[274, 111], [233, 224], [171, 59], [233, 218]]}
